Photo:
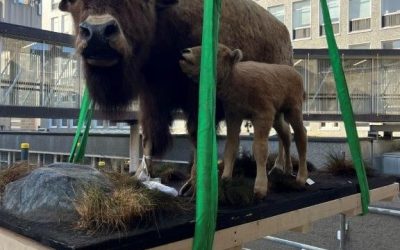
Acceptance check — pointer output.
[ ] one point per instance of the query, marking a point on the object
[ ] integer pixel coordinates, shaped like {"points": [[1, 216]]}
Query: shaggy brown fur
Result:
{"points": [[259, 92], [141, 57]]}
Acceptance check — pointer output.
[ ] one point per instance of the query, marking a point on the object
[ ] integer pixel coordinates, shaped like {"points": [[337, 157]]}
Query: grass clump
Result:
{"points": [[13, 173], [128, 204], [100, 210], [338, 165], [236, 192]]}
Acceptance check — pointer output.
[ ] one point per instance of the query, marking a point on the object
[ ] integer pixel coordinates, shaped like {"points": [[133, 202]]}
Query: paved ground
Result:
{"points": [[370, 232]]}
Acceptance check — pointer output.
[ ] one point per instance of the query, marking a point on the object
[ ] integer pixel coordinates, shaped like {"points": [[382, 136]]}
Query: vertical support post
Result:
{"points": [[93, 162], [9, 158], [134, 145], [38, 160], [13, 157], [24, 151], [341, 234]]}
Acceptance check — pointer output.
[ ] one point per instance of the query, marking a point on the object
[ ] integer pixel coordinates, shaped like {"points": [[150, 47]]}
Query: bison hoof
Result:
{"points": [[301, 179], [261, 188], [260, 194]]}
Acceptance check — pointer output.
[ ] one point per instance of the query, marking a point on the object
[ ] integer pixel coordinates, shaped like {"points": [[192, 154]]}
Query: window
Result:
{"points": [[394, 44], [74, 123], [99, 123], [64, 123], [66, 24], [390, 13], [112, 124], [55, 24], [54, 4], [278, 12], [359, 15], [301, 19], [1, 12], [53, 123], [360, 46], [334, 11]]}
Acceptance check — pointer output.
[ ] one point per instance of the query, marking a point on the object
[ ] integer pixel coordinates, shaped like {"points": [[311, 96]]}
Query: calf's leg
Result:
{"points": [[233, 124], [262, 126], [295, 118], [283, 160]]}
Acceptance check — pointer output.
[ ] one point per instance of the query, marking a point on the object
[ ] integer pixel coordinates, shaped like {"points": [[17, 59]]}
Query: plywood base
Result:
{"points": [[234, 237], [302, 218], [12, 241]]}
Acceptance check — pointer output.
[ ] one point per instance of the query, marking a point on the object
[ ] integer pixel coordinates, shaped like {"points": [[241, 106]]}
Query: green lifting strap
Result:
{"points": [[346, 108], [77, 153], [207, 172]]}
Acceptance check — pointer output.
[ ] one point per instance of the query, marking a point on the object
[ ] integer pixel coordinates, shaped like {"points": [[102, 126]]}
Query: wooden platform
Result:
{"points": [[280, 212], [298, 220]]}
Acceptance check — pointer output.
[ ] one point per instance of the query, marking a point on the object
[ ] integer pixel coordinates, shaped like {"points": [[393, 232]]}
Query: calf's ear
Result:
{"points": [[162, 4], [237, 55], [65, 4]]}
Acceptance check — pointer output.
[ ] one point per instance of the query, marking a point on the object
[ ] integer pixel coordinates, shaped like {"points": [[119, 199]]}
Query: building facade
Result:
{"points": [[358, 24], [56, 20], [22, 12], [25, 13]]}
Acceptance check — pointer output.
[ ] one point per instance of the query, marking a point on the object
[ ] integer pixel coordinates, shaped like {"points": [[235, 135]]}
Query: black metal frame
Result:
{"points": [[33, 34]]}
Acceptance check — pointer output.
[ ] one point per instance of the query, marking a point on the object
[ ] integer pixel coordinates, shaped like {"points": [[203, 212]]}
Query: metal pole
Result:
{"points": [[134, 146], [292, 243], [385, 211], [341, 234]]}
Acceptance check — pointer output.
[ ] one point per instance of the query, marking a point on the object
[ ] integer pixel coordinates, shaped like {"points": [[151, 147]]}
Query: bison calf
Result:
{"points": [[261, 93]]}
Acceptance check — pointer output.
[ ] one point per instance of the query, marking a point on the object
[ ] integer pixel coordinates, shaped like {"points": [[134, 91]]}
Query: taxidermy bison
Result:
{"points": [[259, 92], [131, 49]]}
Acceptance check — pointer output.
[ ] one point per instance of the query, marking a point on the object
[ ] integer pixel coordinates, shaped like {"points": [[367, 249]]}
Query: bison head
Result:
{"points": [[114, 38], [226, 58]]}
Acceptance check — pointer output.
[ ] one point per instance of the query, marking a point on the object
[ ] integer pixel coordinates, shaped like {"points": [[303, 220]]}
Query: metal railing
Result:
{"points": [[39, 69], [373, 78]]}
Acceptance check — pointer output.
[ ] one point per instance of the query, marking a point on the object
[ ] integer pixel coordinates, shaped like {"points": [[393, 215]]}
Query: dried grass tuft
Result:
{"points": [[129, 204], [101, 211], [340, 166], [13, 173]]}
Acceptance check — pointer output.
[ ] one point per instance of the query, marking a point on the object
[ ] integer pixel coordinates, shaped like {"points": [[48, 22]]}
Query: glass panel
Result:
{"points": [[301, 14], [334, 11], [394, 44], [278, 12], [390, 6], [360, 9]]}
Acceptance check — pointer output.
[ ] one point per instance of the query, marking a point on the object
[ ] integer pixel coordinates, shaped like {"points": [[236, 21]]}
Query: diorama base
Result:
{"points": [[235, 226]]}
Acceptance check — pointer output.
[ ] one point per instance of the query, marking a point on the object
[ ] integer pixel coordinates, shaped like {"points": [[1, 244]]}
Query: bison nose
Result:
{"points": [[100, 32], [186, 51]]}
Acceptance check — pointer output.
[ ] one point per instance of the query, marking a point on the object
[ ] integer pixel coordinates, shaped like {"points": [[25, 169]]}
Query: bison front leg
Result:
{"points": [[145, 168], [156, 137], [262, 126], [233, 124]]}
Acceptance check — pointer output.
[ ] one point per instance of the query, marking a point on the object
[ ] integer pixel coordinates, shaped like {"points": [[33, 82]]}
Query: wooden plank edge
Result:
{"points": [[238, 235], [10, 240]]}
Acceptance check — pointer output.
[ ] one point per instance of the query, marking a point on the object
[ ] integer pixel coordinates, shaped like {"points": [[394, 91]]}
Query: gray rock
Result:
{"points": [[47, 194]]}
